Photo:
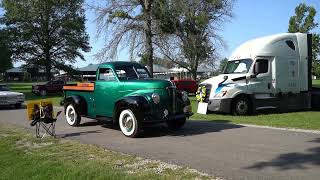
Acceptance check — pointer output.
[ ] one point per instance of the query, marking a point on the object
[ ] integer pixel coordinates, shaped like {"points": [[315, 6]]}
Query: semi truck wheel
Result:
{"points": [[129, 124], [241, 106], [176, 124], [72, 116]]}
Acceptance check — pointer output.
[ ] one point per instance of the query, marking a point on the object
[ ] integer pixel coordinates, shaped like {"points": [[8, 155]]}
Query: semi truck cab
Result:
{"points": [[272, 72]]}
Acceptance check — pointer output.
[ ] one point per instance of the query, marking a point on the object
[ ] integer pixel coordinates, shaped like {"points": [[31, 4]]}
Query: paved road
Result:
{"points": [[224, 150]]}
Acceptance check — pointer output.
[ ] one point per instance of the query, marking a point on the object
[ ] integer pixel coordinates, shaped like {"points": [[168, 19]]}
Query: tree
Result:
{"points": [[130, 23], [156, 60], [5, 54], [188, 30], [47, 33], [304, 21], [222, 64]]}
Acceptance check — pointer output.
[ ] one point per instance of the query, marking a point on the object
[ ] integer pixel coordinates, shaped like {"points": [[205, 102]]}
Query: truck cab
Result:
{"points": [[125, 94], [272, 72]]}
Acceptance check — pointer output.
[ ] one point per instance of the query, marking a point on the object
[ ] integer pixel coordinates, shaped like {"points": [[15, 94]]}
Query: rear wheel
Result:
{"points": [[43, 92], [129, 124], [176, 124], [241, 106], [72, 116]]}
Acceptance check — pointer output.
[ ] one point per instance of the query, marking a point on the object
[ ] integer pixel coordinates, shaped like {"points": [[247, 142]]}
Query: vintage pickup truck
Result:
{"points": [[125, 94]]}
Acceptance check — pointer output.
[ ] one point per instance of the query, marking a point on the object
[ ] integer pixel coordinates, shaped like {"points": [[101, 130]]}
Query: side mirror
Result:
{"points": [[258, 68]]}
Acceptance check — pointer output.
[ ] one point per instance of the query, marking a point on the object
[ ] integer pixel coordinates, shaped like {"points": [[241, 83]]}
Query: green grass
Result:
{"points": [[23, 156], [25, 88], [316, 83]]}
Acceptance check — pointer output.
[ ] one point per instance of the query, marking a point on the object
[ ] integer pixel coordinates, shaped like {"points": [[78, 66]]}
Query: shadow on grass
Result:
{"points": [[294, 160]]}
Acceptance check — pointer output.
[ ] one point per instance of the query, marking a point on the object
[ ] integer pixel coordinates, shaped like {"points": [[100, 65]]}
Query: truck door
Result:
{"points": [[105, 92], [262, 84]]}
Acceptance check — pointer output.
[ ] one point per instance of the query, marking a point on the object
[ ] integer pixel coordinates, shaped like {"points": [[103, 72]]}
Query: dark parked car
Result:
{"points": [[188, 85], [48, 87]]}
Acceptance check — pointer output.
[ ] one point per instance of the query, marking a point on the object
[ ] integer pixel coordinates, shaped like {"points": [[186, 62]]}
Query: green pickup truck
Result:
{"points": [[125, 94]]}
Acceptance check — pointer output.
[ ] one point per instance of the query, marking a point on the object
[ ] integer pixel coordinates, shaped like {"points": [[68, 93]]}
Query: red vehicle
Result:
{"points": [[48, 87], [188, 85]]}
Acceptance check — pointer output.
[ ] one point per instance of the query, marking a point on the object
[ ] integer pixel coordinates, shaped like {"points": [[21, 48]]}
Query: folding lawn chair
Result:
{"points": [[41, 114]]}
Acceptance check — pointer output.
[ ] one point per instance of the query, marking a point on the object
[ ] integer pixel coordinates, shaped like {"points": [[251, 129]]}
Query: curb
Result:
{"points": [[282, 129]]}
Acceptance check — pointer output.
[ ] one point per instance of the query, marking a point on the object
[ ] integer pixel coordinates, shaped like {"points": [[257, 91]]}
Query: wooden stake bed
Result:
{"points": [[80, 87]]}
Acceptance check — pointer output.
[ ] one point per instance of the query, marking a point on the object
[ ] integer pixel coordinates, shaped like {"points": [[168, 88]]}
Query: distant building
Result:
{"points": [[21, 74]]}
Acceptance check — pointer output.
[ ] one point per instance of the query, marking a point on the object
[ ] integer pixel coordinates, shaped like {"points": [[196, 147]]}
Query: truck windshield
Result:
{"points": [[238, 66], [131, 72]]}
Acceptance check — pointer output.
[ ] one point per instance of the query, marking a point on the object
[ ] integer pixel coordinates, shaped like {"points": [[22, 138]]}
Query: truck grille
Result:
{"points": [[173, 97]]}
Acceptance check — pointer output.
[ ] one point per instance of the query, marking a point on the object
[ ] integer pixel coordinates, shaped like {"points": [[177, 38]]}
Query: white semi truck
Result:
{"points": [[272, 72]]}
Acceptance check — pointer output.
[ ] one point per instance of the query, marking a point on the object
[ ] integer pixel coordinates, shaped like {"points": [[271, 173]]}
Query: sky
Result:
{"points": [[251, 19]]}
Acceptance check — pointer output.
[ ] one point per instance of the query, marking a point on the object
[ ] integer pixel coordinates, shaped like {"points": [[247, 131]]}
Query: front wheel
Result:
{"points": [[241, 106], [72, 116], [176, 124], [129, 124]]}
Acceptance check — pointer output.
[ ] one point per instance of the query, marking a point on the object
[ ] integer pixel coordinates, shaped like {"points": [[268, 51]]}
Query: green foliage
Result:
{"points": [[304, 21], [46, 33], [5, 54], [222, 64]]}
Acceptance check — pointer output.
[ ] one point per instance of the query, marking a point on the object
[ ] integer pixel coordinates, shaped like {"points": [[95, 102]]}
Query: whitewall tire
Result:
{"points": [[128, 123], [72, 116]]}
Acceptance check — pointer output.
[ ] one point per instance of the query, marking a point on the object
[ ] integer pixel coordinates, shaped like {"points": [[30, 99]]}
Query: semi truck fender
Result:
{"points": [[138, 104], [80, 103]]}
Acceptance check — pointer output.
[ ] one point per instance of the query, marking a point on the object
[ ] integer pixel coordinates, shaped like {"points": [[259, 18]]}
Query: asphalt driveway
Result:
{"points": [[221, 149]]}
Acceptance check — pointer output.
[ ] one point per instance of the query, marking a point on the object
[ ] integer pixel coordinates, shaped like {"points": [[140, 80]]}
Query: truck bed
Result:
{"points": [[79, 87]]}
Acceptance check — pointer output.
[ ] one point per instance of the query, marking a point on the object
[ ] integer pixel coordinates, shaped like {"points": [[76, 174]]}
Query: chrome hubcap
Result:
{"points": [[71, 114], [128, 123]]}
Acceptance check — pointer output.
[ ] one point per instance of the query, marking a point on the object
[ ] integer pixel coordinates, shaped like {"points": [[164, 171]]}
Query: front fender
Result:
{"points": [[139, 104]]}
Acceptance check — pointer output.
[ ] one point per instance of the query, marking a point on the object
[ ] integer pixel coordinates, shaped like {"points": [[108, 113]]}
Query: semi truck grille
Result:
{"points": [[173, 97]]}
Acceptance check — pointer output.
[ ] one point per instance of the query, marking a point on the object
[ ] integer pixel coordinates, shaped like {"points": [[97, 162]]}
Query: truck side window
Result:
{"points": [[291, 45], [106, 75], [265, 65]]}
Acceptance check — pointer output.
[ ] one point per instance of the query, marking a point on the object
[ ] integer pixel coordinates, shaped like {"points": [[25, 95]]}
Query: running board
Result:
{"points": [[266, 107]]}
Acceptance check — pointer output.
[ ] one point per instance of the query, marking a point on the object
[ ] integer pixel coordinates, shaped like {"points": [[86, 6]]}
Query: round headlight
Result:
{"points": [[155, 98], [184, 96]]}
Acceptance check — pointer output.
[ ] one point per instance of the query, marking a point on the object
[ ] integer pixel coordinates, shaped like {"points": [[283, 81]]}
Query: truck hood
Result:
{"points": [[233, 80], [9, 93], [146, 84]]}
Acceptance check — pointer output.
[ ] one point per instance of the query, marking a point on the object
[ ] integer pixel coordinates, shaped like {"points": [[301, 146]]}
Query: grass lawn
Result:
{"points": [[316, 83], [25, 88], [23, 156]]}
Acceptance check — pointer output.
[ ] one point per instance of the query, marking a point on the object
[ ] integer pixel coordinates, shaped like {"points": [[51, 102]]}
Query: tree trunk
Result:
{"points": [[48, 66], [194, 74], [148, 34]]}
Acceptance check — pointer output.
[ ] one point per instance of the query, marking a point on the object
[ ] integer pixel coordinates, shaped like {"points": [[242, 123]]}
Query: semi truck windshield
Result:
{"points": [[238, 66]]}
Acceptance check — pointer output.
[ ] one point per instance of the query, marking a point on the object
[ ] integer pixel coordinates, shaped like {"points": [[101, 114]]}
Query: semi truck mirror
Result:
{"points": [[258, 68]]}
